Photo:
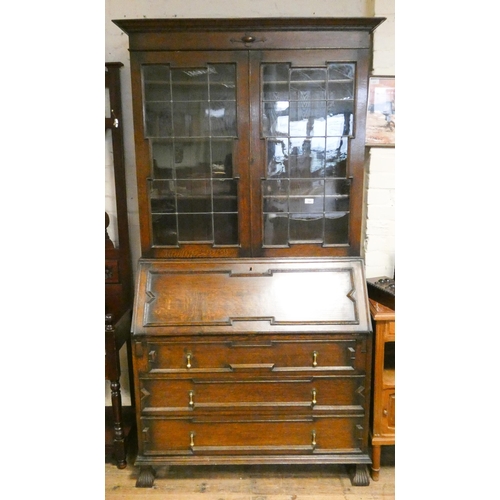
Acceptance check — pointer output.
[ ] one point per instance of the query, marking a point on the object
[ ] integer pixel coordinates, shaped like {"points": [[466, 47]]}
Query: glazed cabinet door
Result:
{"points": [[308, 176], [192, 181], [250, 153]]}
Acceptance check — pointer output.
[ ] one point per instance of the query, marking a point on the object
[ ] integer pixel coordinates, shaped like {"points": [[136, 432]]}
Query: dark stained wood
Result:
{"points": [[118, 280], [191, 43], [231, 367], [249, 353]]}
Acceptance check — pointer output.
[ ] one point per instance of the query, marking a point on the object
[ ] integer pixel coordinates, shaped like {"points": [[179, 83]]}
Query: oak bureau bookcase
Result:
{"points": [[251, 332]]}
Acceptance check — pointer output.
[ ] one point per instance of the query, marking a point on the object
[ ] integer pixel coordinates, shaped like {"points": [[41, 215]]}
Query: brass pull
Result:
{"points": [[313, 439], [313, 401], [191, 401], [188, 360], [385, 412], [315, 358], [152, 356], [191, 439], [247, 39]]}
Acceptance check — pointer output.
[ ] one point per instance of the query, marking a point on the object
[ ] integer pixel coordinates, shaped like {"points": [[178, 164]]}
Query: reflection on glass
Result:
{"points": [[190, 119], [307, 119]]}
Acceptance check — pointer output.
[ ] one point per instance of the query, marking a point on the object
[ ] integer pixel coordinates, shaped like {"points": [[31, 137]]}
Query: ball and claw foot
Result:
{"points": [[146, 477], [360, 476]]}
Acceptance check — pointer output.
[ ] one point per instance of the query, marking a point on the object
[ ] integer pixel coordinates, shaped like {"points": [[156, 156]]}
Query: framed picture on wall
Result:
{"points": [[381, 112]]}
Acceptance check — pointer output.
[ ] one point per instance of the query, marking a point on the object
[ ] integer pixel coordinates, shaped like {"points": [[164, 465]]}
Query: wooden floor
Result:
{"points": [[255, 482]]}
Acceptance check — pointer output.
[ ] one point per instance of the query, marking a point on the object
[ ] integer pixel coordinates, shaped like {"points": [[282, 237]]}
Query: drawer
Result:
{"points": [[167, 395], [249, 436], [276, 355]]}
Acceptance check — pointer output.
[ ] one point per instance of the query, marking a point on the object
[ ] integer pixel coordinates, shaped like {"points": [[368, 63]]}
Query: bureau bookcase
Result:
{"points": [[251, 331]]}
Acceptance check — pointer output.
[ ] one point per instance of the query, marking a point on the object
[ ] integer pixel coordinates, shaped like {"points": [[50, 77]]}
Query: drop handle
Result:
{"points": [[191, 399], [188, 360], [191, 439], [313, 397], [315, 359], [313, 439]]}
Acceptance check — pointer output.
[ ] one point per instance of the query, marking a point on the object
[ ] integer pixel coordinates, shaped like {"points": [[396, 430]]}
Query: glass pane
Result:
{"points": [[275, 187], [275, 79], [275, 118], [195, 228], [337, 228], [275, 230], [308, 118], [277, 158], [336, 157], [337, 187], [226, 229], [308, 84], [306, 204], [306, 228], [164, 230], [162, 197], [222, 159], [272, 204], [222, 119], [341, 71], [190, 84], [192, 159], [337, 203], [158, 119], [163, 159], [191, 119], [225, 196], [340, 118], [222, 78]]}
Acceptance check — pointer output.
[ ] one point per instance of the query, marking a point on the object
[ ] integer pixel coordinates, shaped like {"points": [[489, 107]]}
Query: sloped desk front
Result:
{"points": [[252, 361]]}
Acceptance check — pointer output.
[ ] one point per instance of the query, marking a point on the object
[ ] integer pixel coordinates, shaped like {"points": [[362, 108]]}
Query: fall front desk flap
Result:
{"points": [[250, 296]]}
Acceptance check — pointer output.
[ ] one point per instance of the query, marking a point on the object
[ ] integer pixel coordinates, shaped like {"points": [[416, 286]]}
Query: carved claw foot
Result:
{"points": [[359, 475], [146, 477]]}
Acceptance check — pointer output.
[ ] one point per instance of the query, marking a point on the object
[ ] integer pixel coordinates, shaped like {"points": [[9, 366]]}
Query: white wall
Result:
{"points": [[379, 245], [380, 221]]}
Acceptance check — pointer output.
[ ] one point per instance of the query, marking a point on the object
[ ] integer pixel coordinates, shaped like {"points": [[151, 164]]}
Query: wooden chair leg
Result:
{"points": [[119, 435]]}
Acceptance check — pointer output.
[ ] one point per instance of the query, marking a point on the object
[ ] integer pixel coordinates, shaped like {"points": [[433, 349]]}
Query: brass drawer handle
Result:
{"points": [[191, 439], [313, 400], [313, 439], [247, 39], [315, 358], [188, 360], [191, 400]]}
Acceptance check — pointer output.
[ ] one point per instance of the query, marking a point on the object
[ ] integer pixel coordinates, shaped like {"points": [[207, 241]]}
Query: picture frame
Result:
{"points": [[381, 112]]}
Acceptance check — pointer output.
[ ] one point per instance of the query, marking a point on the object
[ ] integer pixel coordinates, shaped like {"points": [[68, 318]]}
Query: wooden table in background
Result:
{"points": [[384, 386]]}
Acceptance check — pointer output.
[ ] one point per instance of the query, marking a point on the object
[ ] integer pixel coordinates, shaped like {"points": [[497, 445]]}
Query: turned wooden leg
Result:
{"points": [[376, 462], [118, 433], [146, 477], [360, 476]]}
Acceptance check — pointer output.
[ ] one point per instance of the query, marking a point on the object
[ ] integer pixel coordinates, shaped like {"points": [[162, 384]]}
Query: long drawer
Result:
{"points": [[274, 355], [226, 392], [248, 435]]}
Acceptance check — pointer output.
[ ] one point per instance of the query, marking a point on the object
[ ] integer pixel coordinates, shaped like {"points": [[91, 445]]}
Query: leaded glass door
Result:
{"points": [[192, 126], [309, 153]]}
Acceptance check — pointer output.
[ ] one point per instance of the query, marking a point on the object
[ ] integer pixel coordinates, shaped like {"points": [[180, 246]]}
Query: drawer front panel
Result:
{"points": [[270, 355], [388, 421], [190, 394], [193, 437]]}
